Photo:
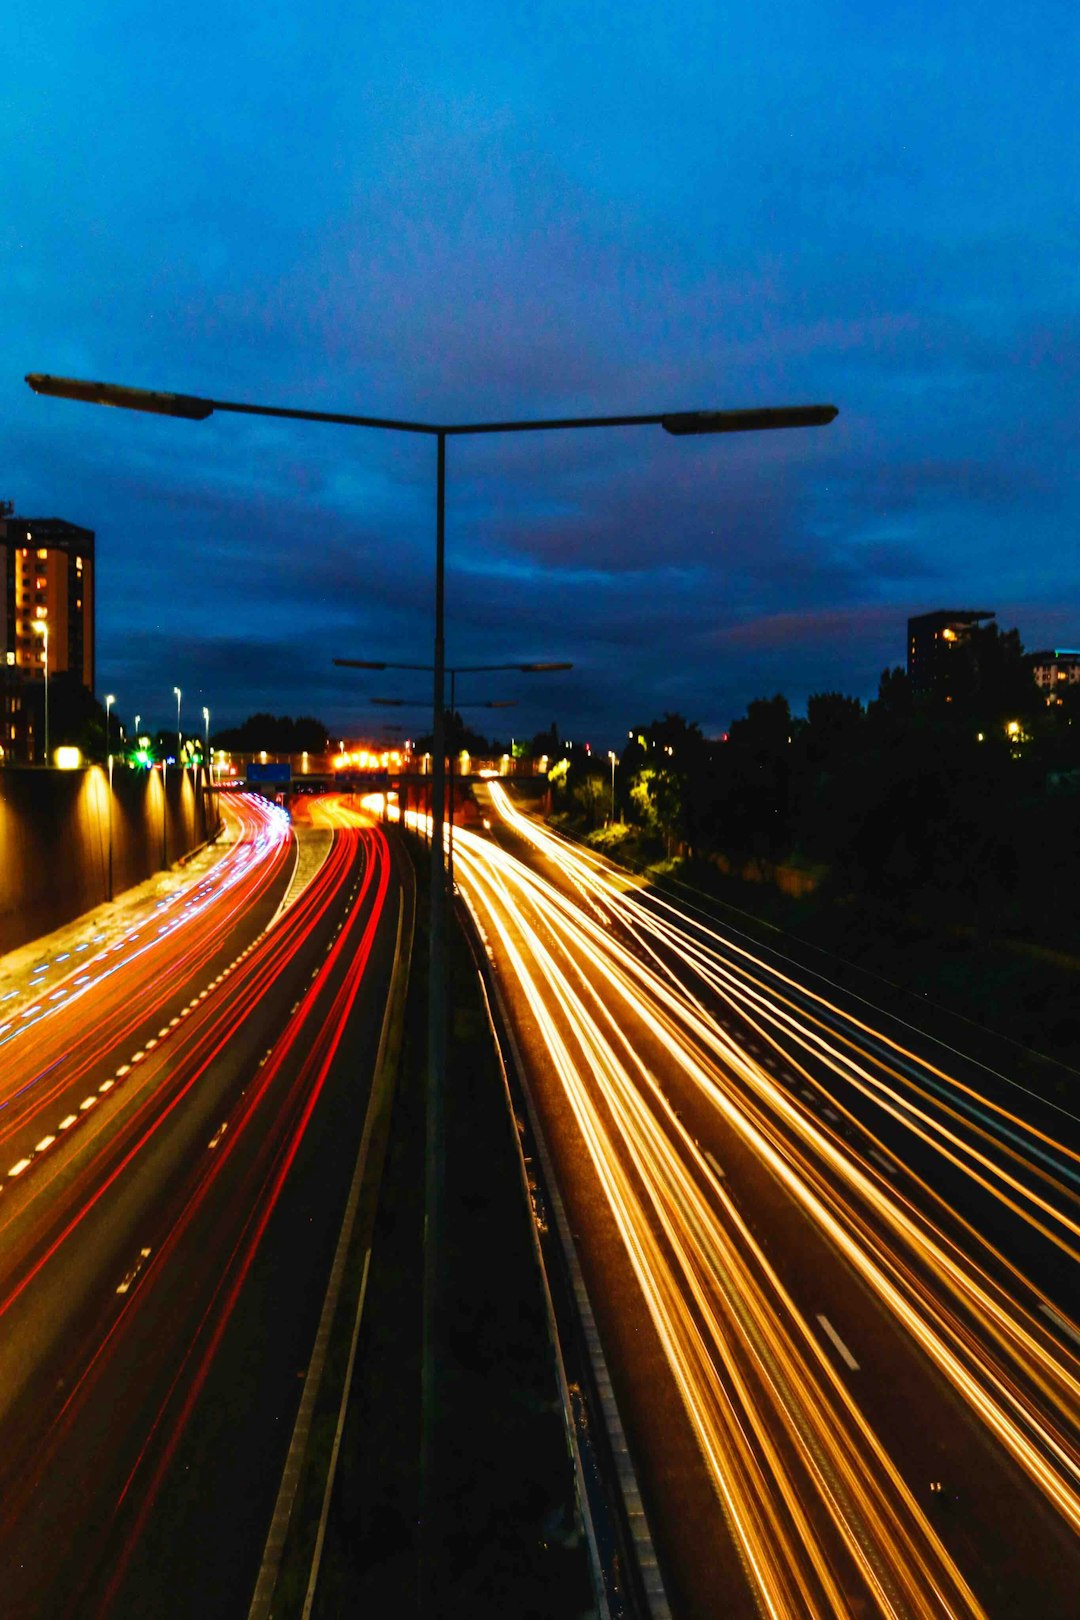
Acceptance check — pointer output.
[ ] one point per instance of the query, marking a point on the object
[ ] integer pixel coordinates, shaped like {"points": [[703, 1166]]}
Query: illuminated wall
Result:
{"points": [[54, 840]]}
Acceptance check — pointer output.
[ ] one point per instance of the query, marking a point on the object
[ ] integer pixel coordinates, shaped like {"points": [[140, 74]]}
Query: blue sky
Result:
{"points": [[474, 211]]}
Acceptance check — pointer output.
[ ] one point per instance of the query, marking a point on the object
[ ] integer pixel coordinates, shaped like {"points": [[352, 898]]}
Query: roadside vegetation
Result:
{"points": [[933, 843]]}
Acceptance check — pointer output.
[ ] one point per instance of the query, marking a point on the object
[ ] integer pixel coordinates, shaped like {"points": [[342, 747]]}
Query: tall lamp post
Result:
{"points": [[208, 764], [534, 667], [614, 761], [400, 703], [179, 738], [41, 628], [109, 701], [680, 423]]}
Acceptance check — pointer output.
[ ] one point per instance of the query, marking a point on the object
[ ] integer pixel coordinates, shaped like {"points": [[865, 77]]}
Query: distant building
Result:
{"points": [[935, 648], [1055, 670], [46, 580]]}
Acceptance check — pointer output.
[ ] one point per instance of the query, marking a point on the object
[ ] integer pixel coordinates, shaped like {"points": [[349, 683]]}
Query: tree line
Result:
{"points": [[970, 803]]}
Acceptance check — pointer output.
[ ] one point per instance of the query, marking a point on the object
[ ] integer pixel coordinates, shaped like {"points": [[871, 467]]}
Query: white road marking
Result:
{"points": [[106, 1085], [66, 1124], [144, 1255], [838, 1343], [17, 1169], [1060, 1322], [46, 1142], [885, 1163], [716, 1168]]}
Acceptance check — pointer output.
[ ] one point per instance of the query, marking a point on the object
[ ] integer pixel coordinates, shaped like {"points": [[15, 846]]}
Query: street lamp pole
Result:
{"points": [[196, 408], [534, 667], [612, 758], [109, 701], [208, 765], [179, 738], [42, 628]]}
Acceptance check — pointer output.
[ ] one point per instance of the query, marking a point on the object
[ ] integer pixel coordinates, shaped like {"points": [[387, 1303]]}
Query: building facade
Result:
{"points": [[936, 649], [1055, 669], [46, 613]]}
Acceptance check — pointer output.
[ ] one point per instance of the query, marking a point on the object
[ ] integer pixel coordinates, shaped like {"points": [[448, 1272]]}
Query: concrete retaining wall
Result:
{"points": [[54, 839]]}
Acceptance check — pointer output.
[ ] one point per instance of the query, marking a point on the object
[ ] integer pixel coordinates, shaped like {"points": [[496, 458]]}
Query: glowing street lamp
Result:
{"points": [[533, 667], [680, 423], [41, 628], [109, 701]]}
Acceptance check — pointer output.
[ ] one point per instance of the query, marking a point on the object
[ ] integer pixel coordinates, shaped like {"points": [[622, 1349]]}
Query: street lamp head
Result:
{"points": [[109, 701], [206, 714], [129, 399], [176, 692], [773, 416], [537, 669]]}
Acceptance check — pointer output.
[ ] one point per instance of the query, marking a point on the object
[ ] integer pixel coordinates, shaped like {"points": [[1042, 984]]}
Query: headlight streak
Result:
{"points": [[794, 1144], [776, 1547], [235, 885], [876, 1091], [280, 1129]]}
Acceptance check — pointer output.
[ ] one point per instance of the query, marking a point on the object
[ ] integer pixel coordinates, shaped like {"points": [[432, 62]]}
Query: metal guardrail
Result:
{"points": [[627, 1577]]}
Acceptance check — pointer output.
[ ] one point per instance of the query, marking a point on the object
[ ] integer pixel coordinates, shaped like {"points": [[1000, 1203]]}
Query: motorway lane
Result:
{"points": [[933, 1469], [106, 999], [161, 1277]]}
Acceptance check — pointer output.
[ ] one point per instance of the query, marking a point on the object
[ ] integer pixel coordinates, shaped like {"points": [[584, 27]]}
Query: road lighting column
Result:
{"points": [[194, 408], [612, 758], [42, 629], [208, 765], [109, 701]]}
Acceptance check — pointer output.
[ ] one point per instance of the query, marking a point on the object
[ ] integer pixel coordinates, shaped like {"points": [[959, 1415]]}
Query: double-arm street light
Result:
{"points": [[41, 628], [680, 423], [489, 703], [109, 701], [534, 667]]}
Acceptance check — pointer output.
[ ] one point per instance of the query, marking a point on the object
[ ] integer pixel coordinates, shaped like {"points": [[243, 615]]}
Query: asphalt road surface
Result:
{"points": [[180, 1114], [833, 1262]]}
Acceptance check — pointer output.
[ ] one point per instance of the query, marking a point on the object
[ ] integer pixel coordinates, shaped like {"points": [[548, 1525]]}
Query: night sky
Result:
{"points": [[476, 211]]}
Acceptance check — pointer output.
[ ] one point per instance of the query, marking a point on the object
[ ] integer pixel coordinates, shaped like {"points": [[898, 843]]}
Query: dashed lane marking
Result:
{"points": [[838, 1344]]}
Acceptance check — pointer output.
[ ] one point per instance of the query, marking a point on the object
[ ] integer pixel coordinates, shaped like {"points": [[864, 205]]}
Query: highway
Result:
{"points": [[180, 1110], [833, 1263]]}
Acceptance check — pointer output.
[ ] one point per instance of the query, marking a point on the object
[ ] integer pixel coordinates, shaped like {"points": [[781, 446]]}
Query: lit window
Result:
{"points": [[42, 553]]}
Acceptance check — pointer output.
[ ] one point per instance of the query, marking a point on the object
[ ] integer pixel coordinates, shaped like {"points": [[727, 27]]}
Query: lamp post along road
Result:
{"points": [[680, 423], [109, 701], [533, 667], [42, 629]]}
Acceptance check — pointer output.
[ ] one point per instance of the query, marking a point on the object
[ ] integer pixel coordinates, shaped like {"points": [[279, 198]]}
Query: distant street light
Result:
{"points": [[196, 408], [109, 701], [533, 667], [41, 628]]}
